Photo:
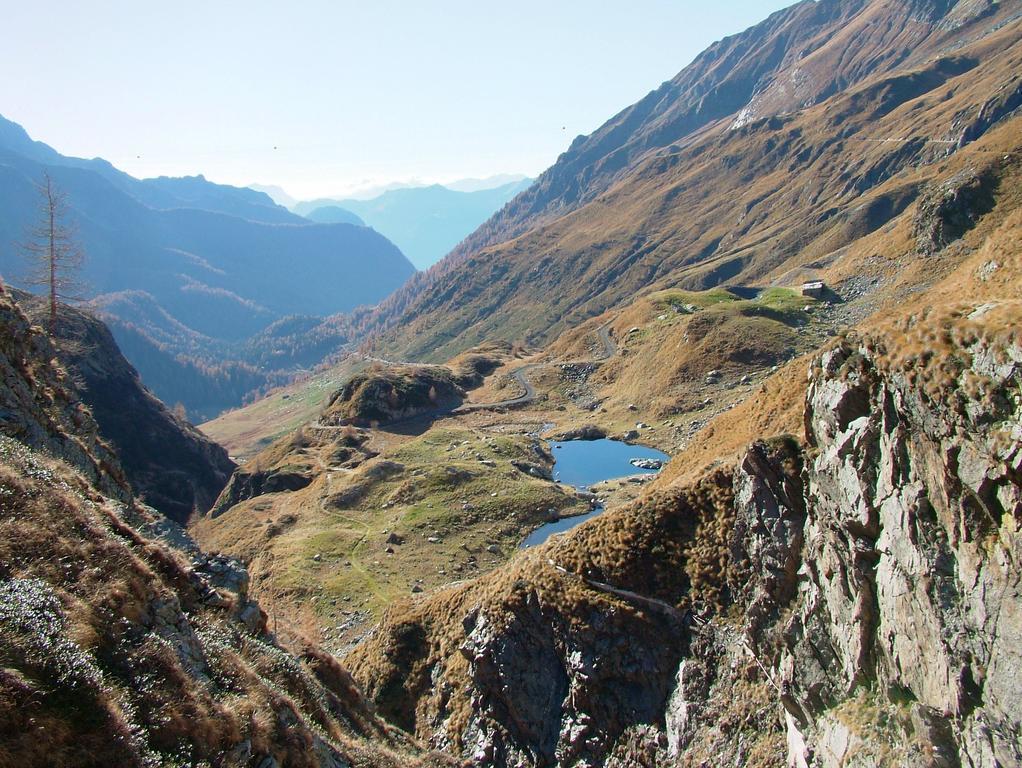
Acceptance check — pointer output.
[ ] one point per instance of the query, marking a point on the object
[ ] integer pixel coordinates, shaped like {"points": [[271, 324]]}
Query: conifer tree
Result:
{"points": [[52, 249]]}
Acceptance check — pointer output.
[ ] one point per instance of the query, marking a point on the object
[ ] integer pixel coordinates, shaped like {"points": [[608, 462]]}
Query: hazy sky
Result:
{"points": [[324, 97]]}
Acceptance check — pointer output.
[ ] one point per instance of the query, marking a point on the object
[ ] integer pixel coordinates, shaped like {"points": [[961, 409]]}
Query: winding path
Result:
{"points": [[527, 396], [520, 375], [609, 347]]}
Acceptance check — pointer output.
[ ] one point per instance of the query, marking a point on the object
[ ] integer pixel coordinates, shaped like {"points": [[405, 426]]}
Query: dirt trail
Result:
{"points": [[520, 375], [608, 348]]}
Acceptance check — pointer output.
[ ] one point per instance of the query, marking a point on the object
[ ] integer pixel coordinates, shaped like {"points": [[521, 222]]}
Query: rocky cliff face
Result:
{"points": [[178, 470], [910, 586], [38, 408], [855, 602]]}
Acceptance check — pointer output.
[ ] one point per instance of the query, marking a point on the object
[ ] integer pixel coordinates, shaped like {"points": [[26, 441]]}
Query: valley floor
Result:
{"points": [[441, 497]]}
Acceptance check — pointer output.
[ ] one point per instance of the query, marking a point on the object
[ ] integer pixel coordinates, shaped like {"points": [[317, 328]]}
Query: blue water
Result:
{"points": [[582, 463], [547, 530]]}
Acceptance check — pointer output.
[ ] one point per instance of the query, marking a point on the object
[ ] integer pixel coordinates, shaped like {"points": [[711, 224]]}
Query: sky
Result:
{"points": [[325, 98]]}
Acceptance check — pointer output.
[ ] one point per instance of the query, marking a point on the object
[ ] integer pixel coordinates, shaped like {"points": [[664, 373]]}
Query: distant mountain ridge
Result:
{"points": [[208, 265], [162, 192], [490, 182], [426, 223], [334, 214], [275, 193]]}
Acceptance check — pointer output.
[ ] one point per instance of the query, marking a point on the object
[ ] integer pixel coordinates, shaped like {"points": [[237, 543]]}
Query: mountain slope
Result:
{"points": [[223, 262], [120, 642], [702, 625], [424, 222], [847, 597], [728, 174], [169, 463]]}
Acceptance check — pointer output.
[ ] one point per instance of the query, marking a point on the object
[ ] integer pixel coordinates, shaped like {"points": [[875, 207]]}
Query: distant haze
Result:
{"points": [[424, 222], [323, 98], [478, 185]]}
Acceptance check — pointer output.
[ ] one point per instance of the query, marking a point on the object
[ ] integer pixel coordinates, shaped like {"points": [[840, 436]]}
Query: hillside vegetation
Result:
{"points": [[386, 492], [120, 642], [824, 575], [725, 175]]}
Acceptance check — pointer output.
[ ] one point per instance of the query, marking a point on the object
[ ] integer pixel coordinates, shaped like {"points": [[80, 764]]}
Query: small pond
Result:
{"points": [[583, 463]]}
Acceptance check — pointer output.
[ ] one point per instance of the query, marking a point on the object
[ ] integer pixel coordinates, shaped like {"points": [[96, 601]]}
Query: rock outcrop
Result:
{"points": [[174, 467], [389, 393], [852, 602], [910, 590], [38, 406], [247, 483], [293, 462], [949, 209]]}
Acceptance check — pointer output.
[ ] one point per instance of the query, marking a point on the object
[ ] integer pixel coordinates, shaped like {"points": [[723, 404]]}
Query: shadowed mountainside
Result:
{"points": [[120, 642], [168, 463]]}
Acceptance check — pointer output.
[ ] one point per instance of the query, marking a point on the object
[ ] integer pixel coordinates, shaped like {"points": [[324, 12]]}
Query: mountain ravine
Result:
{"points": [[851, 603]]}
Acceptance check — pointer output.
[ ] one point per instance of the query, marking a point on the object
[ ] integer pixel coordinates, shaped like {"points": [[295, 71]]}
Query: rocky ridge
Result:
{"points": [[178, 470], [38, 407]]}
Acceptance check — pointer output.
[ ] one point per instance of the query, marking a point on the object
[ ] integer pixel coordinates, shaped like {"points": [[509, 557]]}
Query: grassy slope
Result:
{"points": [[434, 480], [672, 543], [89, 670], [246, 431], [319, 556], [776, 198]]}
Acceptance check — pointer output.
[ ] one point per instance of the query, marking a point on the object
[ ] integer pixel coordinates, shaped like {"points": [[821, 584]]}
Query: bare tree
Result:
{"points": [[52, 249]]}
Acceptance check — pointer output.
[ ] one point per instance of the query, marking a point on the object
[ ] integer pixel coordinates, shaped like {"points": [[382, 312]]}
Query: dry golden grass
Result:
{"points": [[775, 408], [110, 656], [746, 205]]}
